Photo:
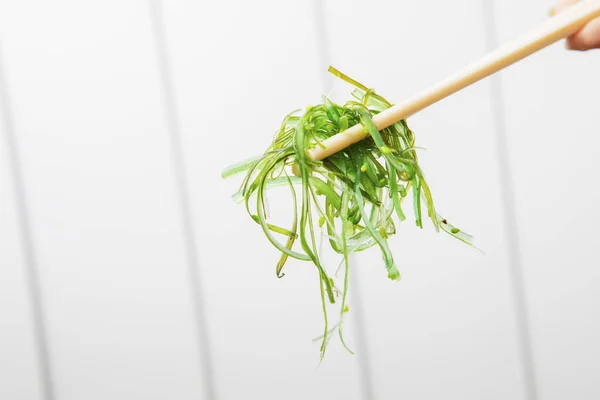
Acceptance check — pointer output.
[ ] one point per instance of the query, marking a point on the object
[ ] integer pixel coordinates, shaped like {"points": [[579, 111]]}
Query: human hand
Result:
{"points": [[588, 37]]}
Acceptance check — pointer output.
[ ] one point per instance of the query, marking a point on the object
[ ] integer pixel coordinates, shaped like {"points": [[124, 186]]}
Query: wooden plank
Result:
{"points": [[90, 119], [239, 67], [447, 330], [19, 362], [551, 125]]}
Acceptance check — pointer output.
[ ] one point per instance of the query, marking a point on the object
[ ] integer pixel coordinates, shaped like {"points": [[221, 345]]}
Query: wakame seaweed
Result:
{"points": [[354, 195]]}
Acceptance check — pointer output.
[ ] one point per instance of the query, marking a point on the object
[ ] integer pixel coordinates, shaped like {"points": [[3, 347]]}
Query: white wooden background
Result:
{"points": [[127, 273]]}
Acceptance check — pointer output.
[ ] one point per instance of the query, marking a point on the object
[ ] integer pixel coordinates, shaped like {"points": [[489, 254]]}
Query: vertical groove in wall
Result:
{"points": [[508, 201], [323, 48], [183, 193], [362, 350], [28, 249]]}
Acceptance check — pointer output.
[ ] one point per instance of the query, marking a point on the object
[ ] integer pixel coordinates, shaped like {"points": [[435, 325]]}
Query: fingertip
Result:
{"points": [[574, 43], [589, 36], [568, 45], [586, 39]]}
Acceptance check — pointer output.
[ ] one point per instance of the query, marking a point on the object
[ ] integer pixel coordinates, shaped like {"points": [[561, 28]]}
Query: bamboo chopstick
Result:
{"points": [[556, 28]]}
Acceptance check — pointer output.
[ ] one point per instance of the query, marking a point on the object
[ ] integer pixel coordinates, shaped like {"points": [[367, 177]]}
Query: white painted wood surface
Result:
{"points": [[447, 329], [235, 77], [89, 120], [97, 107], [19, 373], [552, 126]]}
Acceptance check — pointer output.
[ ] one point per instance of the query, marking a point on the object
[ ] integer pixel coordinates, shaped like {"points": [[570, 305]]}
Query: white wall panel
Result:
{"points": [[19, 368], [89, 120], [96, 121], [551, 102], [447, 330], [238, 68]]}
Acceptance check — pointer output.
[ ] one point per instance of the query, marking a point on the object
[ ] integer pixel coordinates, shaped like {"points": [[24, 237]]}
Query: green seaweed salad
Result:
{"points": [[353, 196]]}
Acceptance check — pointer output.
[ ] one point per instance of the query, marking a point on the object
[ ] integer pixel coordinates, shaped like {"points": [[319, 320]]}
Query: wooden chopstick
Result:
{"points": [[556, 28]]}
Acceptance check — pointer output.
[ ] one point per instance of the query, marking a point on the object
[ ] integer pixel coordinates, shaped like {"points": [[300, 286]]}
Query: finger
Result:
{"points": [[587, 38]]}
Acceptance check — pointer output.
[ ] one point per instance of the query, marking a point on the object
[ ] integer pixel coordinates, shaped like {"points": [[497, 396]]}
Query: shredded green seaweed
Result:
{"points": [[352, 196]]}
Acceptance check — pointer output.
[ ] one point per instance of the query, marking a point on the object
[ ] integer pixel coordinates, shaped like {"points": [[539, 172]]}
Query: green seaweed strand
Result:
{"points": [[352, 198]]}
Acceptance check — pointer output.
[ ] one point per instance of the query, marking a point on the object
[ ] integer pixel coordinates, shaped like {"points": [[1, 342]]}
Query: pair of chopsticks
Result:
{"points": [[556, 28]]}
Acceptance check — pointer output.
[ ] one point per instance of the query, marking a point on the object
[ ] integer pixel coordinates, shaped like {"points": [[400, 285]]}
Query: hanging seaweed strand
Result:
{"points": [[354, 197]]}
